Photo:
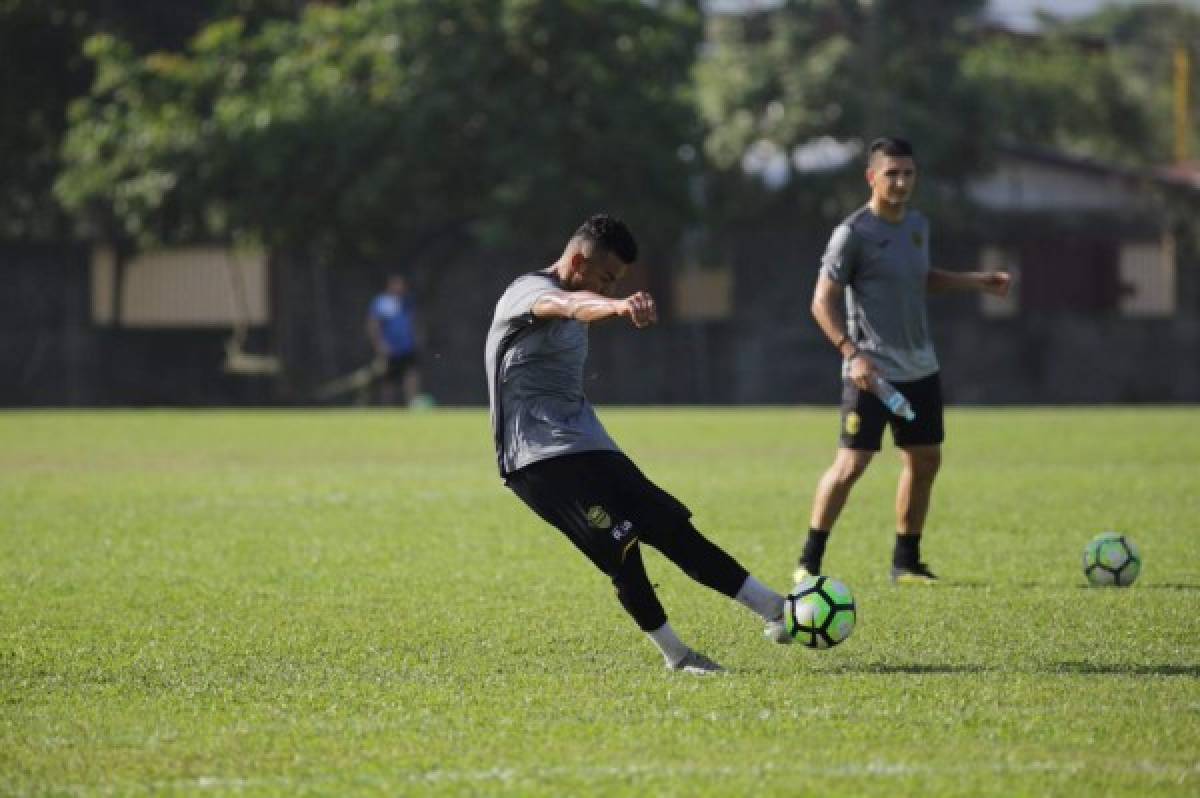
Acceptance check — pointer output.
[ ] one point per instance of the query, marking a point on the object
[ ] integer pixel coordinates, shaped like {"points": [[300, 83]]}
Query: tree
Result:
{"points": [[1059, 91], [1144, 40], [371, 129], [846, 69], [42, 72], [41, 57]]}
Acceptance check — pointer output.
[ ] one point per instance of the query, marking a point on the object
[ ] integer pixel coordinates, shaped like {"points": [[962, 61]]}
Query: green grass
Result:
{"points": [[331, 603]]}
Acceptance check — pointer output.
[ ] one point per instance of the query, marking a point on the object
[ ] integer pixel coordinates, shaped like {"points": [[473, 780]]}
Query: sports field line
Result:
{"points": [[514, 776]]}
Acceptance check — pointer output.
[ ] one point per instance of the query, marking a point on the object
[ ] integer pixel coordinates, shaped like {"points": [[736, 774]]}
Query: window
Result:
{"points": [[704, 294], [1148, 279], [192, 287]]}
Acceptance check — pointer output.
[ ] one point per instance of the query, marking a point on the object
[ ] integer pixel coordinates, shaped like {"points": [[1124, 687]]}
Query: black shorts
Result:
{"points": [[398, 366], [601, 501], [864, 416]]}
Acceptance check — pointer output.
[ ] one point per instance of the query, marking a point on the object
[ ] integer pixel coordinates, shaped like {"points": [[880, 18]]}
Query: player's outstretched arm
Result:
{"points": [[941, 281], [587, 306]]}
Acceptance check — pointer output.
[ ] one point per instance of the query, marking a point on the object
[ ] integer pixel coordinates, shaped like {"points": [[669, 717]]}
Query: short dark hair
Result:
{"points": [[890, 146], [611, 234]]}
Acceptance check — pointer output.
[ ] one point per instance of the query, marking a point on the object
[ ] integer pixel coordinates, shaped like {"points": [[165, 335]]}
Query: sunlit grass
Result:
{"points": [[351, 603]]}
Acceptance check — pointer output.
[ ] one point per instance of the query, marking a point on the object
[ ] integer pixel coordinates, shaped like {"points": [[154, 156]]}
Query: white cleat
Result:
{"points": [[777, 632], [696, 663]]}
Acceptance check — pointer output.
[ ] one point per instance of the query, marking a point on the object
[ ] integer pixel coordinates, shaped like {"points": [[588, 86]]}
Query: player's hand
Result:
{"points": [[996, 283], [639, 309], [862, 371]]}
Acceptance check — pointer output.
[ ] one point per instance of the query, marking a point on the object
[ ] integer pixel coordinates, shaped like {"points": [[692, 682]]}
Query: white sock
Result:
{"points": [[760, 598], [673, 649]]}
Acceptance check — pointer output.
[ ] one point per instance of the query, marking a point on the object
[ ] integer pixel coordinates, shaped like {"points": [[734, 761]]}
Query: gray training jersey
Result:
{"points": [[884, 268], [535, 381]]}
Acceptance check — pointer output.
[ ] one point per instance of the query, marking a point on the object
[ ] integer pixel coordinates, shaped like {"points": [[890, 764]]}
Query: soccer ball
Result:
{"points": [[1111, 559], [820, 612]]}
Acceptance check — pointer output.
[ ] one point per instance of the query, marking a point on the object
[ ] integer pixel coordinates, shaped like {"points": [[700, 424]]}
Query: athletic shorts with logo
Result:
{"points": [[601, 501], [864, 416]]}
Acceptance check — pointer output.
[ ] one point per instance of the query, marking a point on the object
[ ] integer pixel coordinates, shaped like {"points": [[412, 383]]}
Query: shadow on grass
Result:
{"points": [[966, 584], [913, 668], [1159, 586], [1100, 588], [1087, 668]]}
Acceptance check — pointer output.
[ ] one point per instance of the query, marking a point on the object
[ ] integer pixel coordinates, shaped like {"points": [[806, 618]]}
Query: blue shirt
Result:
{"points": [[395, 321]]}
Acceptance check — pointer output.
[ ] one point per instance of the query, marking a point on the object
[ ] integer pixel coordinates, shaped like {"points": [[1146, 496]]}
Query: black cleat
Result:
{"points": [[918, 574]]}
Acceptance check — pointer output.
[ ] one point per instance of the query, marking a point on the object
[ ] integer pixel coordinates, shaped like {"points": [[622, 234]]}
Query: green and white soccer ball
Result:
{"points": [[820, 612], [1111, 559]]}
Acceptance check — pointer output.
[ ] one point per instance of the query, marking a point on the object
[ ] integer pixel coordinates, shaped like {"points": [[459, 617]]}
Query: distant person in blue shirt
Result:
{"points": [[391, 328]]}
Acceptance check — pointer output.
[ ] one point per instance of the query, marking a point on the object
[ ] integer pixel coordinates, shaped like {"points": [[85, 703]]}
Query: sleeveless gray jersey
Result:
{"points": [[535, 381], [884, 268]]}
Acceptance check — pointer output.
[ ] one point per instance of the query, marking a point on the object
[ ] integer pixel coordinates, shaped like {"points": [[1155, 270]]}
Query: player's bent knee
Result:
{"points": [[848, 469]]}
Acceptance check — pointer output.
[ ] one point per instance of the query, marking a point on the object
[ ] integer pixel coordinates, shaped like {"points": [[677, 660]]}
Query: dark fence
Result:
{"points": [[768, 351]]}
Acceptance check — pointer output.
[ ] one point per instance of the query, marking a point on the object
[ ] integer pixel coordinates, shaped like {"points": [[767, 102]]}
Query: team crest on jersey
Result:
{"points": [[597, 517], [853, 423], [622, 530], [917, 238]]}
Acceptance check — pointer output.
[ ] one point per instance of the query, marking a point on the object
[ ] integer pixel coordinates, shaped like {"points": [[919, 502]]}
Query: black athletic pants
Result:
{"points": [[607, 507]]}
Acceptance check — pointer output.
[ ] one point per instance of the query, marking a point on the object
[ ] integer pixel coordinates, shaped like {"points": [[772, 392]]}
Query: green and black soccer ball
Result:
{"points": [[820, 612], [1111, 560]]}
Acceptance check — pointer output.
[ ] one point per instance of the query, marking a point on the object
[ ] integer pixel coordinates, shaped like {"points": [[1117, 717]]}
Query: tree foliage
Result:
{"points": [[847, 69], [376, 126], [1058, 92], [42, 59], [933, 72], [373, 127], [1143, 40]]}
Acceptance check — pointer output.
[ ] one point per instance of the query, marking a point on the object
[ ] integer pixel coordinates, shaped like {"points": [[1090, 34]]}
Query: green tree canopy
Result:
{"points": [[1058, 91], [935, 73], [44, 67], [369, 128], [846, 69], [1144, 40]]}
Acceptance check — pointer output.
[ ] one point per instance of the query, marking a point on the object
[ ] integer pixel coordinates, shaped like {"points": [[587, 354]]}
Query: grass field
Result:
{"points": [[333, 603]]}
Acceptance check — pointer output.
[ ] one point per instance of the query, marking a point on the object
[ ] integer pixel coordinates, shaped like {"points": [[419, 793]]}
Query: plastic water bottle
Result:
{"points": [[892, 399]]}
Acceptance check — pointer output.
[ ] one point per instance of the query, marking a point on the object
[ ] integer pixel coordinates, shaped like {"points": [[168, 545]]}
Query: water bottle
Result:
{"points": [[892, 399]]}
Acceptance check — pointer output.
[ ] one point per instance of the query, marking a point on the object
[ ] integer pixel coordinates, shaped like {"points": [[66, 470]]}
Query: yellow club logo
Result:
{"points": [[853, 423], [597, 517], [917, 238]]}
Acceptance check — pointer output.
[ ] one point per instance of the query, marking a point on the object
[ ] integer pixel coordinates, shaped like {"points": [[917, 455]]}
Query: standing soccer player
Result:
{"points": [[555, 455], [876, 267]]}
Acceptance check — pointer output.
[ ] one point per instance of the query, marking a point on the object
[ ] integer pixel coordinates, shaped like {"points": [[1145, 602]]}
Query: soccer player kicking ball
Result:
{"points": [[877, 267], [555, 455]]}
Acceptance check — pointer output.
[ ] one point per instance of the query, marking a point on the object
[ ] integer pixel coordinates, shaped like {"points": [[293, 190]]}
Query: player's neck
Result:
{"points": [[888, 211]]}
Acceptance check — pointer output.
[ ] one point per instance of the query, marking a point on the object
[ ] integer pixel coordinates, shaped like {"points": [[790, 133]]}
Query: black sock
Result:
{"points": [[814, 550], [907, 552]]}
